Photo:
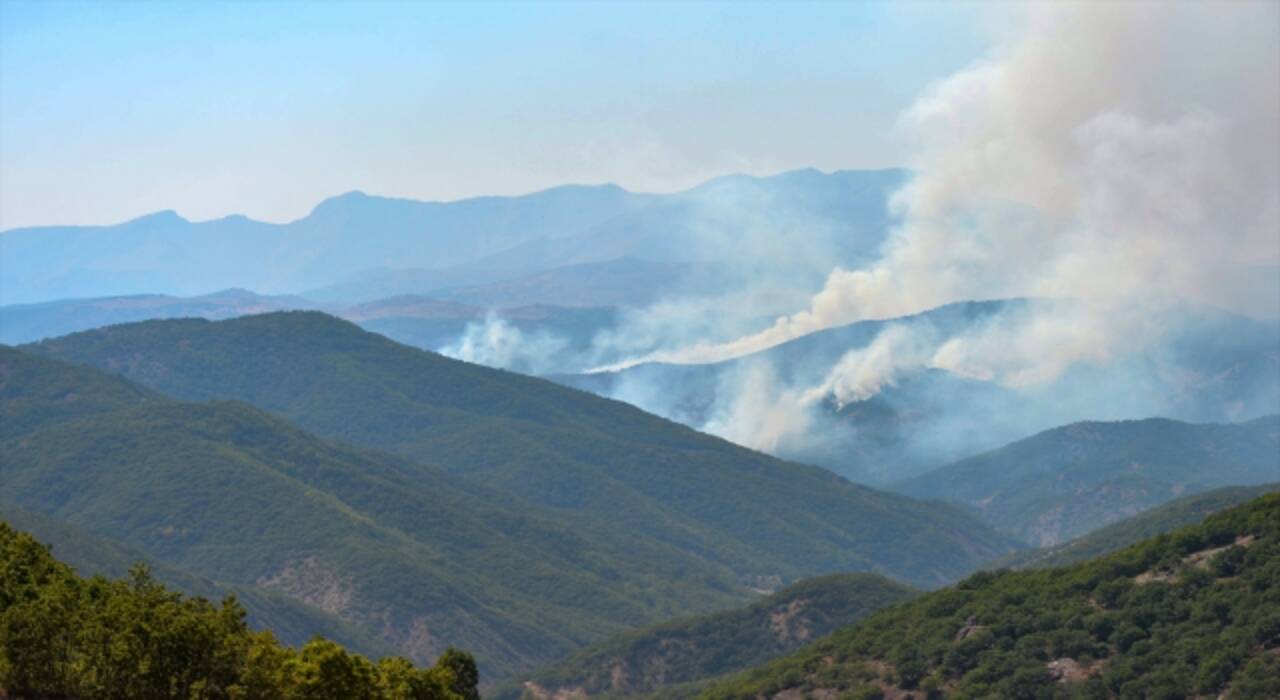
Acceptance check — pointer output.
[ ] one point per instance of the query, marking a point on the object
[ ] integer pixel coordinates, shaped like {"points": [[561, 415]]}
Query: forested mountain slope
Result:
{"points": [[411, 555], [767, 520], [1063, 482], [655, 660], [292, 621], [1196, 613], [1178, 513], [62, 636]]}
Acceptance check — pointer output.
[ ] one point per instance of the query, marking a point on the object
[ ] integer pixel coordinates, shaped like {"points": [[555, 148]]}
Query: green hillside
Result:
{"points": [[1064, 482], [401, 551], [62, 636], [1175, 514], [655, 659], [1194, 613], [580, 455], [291, 621]]}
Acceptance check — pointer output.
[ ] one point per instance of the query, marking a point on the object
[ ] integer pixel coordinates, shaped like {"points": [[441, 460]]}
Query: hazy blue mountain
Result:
{"points": [[24, 323], [343, 247], [1065, 482], [420, 321], [836, 219], [619, 282], [341, 236], [575, 453]]}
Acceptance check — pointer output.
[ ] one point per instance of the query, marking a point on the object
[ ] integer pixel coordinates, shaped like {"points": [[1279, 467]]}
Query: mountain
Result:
{"points": [[24, 323], [618, 282], [343, 235], [739, 220], [349, 245], [62, 636], [1209, 366], [580, 456], [1188, 614], [909, 427], [1064, 482], [413, 557], [529, 339], [422, 321], [1171, 516], [659, 659], [292, 622]]}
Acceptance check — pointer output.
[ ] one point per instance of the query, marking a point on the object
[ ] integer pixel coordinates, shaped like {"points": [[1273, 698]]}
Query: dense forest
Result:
{"points": [[1194, 612], [63, 636]]}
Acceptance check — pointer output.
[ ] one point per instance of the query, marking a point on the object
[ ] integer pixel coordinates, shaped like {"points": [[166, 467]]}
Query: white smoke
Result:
{"points": [[1111, 160], [1123, 155], [497, 343]]}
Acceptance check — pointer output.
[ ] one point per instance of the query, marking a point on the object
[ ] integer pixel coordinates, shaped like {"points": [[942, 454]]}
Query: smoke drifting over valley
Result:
{"points": [[1117, 163]]}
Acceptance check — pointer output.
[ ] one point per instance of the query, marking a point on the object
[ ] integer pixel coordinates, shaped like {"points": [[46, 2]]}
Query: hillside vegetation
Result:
{"points": [[660, 659], [1193, 613], [413, 556], [629, 473], [292, 621], [65, 636], [1175, 514], [1061, 483]]}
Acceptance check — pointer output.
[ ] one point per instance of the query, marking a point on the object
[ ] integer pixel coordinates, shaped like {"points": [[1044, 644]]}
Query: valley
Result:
{"points": [[639, 350]]}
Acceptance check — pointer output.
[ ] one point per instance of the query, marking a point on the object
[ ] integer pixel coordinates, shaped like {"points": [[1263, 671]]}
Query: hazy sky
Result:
{"points": [[110, 110]]}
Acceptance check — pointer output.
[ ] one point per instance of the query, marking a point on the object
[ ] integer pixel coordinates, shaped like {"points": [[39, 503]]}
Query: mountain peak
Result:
{"points": [[342, 202], [166, 217]]}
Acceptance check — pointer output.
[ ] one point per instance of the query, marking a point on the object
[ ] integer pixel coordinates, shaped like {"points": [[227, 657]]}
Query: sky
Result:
{"points": [[111, 110]]}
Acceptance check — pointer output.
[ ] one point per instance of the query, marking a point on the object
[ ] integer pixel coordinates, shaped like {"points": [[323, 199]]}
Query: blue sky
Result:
{"points": [[110, 110]]}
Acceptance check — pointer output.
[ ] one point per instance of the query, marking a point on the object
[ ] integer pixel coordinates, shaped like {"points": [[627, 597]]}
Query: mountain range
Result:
{"points": [[494, 473], [357, 247]]}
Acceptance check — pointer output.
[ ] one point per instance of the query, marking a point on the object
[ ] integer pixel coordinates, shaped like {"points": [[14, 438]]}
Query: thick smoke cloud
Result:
{"points": [[1110, 153], [1121, 156], [1118, 162]]}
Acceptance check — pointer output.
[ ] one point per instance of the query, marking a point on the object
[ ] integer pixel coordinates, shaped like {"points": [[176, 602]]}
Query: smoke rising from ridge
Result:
{"points": [[1108, 153], [1116, 162]]}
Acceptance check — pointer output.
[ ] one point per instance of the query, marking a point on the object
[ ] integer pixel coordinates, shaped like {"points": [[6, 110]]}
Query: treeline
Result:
{"points": [[62, 636]]}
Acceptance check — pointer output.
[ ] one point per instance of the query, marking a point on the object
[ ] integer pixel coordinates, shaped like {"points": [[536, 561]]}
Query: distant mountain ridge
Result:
{"points": [[486, 238], [1064, 482]]}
